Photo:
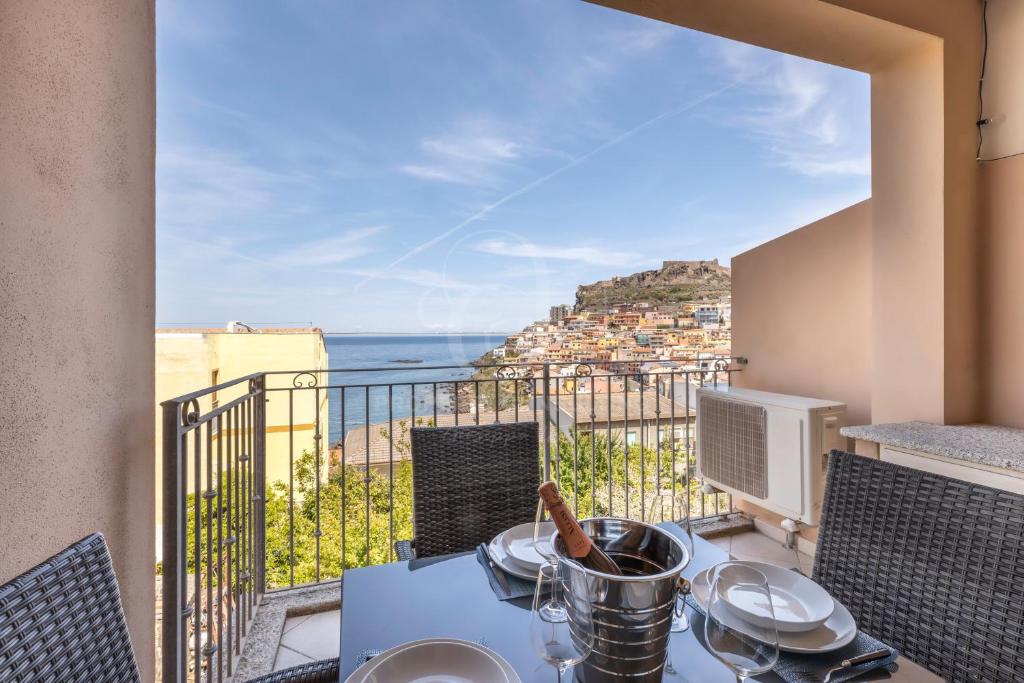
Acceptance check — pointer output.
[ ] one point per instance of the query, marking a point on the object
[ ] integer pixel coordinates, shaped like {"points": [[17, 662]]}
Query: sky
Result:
{"points": [[461, 165]]}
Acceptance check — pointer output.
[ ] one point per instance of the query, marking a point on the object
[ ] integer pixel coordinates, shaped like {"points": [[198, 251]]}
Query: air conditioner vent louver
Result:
{"points": [[733, 444]]}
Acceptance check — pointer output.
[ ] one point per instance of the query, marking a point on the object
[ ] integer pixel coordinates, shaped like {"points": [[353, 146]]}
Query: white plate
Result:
{"points": [[798, 603], [436, 660], [838, 630], [504, 561], [518, 544]]}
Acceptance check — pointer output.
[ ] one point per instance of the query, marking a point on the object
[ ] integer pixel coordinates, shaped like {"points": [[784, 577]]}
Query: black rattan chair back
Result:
{"points": [[470, 483], [931, 565], [63, 621]]}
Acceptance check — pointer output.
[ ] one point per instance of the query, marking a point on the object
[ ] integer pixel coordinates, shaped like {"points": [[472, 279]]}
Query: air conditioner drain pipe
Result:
{"points": [[792, 528]]}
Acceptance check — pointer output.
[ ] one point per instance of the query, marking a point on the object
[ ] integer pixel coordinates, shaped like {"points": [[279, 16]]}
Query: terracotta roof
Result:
{"points": [[382, 450], [619, 406]]}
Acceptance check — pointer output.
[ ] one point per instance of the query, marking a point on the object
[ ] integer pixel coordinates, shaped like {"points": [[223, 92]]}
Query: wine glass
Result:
{"points": [[566, 642], [671, 503], [553, 606], [748, 645], [542, 530]]}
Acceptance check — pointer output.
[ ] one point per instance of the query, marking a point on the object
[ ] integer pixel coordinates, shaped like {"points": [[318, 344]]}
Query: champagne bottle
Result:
{"points": [[579, 546]]}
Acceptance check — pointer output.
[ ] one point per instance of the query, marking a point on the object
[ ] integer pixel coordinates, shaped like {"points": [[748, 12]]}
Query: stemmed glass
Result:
{"points": [[671, 502], [566, 642], [553, 607], [755, 649], [542, 532]]}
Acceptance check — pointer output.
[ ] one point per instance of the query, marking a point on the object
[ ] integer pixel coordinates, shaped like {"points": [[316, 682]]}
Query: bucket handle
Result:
{"points": [[682, 590]]}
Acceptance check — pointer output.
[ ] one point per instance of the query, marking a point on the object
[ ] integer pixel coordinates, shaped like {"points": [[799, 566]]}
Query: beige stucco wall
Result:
{"points": [[801, 311], [1003, 291], [907, 329], [801, 307], [77, 89], [924, 107]]}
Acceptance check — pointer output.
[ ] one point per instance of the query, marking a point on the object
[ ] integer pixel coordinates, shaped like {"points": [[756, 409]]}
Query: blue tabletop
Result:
{"points": [[394, 603]]}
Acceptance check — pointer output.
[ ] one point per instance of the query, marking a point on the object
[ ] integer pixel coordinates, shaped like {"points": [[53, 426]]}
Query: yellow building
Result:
{"points": [[190, 358]]}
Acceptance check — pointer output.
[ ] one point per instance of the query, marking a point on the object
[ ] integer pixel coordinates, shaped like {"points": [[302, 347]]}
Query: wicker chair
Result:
{"points": [[63, 621], [928, 564], [469, 484], [323, 671]]}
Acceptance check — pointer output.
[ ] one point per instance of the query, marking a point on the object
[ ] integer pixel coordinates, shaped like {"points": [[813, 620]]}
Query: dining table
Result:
{"points": [[450, 596]]}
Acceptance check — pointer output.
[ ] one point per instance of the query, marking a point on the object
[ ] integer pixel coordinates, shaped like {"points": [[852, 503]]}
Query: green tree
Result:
{"points": [[362, 513]]}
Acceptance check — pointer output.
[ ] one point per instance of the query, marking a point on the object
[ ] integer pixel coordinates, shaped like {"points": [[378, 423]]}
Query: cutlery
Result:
{"points": [[499, 576], [851, 662]]}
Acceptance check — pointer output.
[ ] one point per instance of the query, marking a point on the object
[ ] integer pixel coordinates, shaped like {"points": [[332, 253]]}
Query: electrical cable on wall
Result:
{"points": [[982, 119]]}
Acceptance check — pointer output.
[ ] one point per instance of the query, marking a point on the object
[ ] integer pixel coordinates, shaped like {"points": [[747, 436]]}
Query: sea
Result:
{"points": [[371, 363]]}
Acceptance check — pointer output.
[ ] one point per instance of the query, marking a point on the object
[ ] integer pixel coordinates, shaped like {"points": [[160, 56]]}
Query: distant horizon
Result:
{"points": [[346, 334], [417, 334]]}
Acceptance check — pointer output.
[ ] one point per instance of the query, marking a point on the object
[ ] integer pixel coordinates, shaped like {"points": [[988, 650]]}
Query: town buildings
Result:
{"points": [[559, 312], [638, 332]]}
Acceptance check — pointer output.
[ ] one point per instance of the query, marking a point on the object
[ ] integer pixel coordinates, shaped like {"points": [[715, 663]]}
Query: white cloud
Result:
{"points": [[802, 112], [329, 250], [480, 150], [439, 173], [570, 163], [748, 235], [816, 167], [591, 255], [643, 38], [474, 152], [580, 63], [201, 23], [204, 187], [417, 276], [485, 149]]}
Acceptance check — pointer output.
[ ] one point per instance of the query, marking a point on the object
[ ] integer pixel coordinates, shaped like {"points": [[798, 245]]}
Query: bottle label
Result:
{"points": [[577, 543]]}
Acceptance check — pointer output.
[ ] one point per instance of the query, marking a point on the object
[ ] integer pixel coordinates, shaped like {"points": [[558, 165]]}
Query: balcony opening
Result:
{"points": [[495, 214]]}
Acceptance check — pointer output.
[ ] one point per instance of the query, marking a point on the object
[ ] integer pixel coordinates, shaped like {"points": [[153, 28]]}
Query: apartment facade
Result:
{"points": [[191, 357]]}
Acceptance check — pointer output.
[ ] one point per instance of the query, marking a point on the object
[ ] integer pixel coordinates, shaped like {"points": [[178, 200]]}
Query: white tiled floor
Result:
{"points": [[758, 547], [316, 636], [309, 638]]}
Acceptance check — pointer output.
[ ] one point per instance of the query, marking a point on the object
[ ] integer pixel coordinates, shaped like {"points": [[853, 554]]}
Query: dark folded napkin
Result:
{"points": [[799, 668], [517, 587], [420, 563]]}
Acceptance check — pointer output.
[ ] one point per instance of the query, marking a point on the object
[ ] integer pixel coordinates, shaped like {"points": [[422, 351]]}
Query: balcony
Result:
{"points": [[281, 489], [277, 483]]}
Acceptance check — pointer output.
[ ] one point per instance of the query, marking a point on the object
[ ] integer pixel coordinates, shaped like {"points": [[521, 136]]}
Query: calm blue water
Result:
{"points": [[347, 351]]}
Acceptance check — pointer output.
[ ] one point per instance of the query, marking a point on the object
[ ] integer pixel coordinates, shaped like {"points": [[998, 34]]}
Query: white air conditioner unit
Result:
{"points": [[769, 449]]}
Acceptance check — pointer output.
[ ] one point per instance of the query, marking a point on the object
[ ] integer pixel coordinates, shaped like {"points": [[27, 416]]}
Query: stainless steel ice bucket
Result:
{"points": [[632, 614]]}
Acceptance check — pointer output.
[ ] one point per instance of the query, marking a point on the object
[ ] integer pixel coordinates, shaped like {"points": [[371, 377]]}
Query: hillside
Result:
{"points": [[675, 281]]}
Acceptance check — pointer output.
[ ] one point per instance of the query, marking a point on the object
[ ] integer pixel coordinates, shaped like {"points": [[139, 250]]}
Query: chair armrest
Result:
{"points": [[404, 550], [323, 671]]}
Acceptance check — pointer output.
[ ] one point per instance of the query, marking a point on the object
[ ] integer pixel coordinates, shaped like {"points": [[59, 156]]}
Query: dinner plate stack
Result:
{"points": [[808, 619], [514, 550]]}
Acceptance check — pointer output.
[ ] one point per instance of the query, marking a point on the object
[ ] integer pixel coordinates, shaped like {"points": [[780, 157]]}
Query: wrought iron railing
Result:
{"points": [[282, 479]]}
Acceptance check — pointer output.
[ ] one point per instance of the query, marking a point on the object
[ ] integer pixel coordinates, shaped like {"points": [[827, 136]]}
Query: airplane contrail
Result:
{"points": [[548, 176]]}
